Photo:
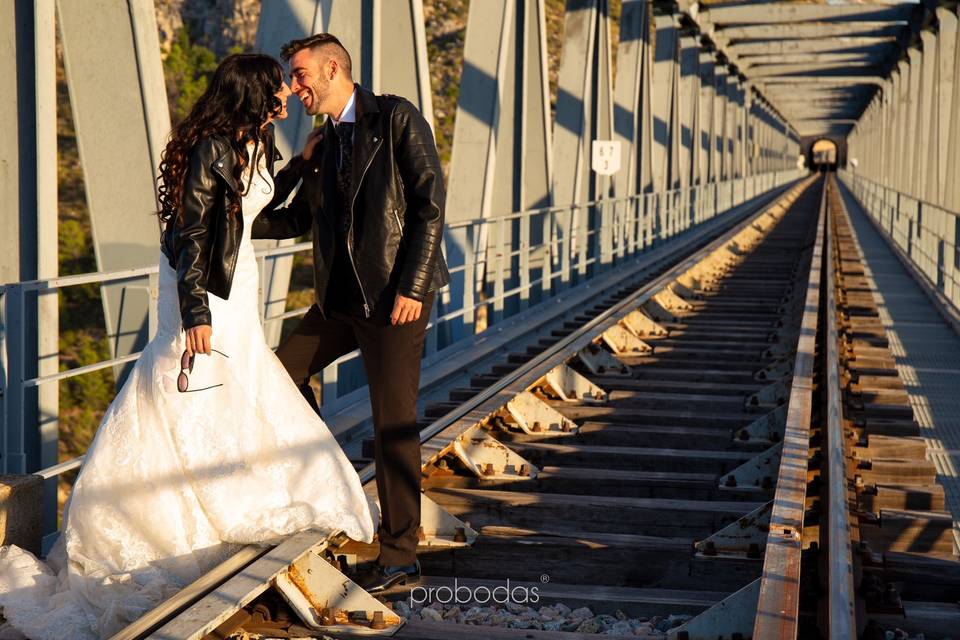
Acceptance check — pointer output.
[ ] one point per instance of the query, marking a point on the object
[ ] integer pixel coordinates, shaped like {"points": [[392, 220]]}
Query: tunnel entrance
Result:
{"points": [[823, 155]]}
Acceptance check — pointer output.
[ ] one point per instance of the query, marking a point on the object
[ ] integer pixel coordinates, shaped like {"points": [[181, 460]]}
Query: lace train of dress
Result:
{"points": [[174, 482]]}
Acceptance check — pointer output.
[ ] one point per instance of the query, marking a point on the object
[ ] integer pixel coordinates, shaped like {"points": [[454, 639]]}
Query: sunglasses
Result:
{"points": [[186, 366]]}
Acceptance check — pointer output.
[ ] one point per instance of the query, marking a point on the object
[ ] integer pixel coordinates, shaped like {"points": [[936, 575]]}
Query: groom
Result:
{"points": [[373, 195]]}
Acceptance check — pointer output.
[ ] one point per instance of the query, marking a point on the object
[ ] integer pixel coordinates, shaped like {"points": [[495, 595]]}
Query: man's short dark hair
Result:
{"points": [[320, 41]]}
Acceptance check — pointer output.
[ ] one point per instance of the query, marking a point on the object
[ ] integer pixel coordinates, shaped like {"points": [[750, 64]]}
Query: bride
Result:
{"points": [[209, 444]]}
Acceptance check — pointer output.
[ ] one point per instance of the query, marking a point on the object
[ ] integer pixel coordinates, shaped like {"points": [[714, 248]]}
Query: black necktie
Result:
{"points": [[345, 156]]}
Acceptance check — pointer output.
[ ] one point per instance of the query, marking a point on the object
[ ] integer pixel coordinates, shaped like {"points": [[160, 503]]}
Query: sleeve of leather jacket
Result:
{"points": [[290, 221], [420, 170], [192, 236]]}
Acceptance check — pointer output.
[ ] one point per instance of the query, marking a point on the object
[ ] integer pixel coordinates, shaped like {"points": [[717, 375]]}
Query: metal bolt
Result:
{"points": [[891, 596], [358, 616], [488, 469], [378, 621], [709, 548], [460, 535], [537, 426], [731, 481], [524, 470]]}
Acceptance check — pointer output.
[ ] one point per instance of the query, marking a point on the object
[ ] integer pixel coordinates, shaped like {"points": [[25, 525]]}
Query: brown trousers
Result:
{"points": [[391, 357]]}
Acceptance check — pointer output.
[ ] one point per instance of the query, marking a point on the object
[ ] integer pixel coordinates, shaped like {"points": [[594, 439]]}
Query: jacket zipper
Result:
{"points": [[400, 226], [366, 306]]}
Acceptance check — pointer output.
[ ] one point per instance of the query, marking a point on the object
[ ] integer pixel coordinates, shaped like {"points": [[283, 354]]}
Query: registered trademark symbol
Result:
{"points": [[544, 578]]}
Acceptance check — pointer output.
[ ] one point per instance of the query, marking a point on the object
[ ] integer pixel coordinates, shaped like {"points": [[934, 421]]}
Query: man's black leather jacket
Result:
{"points": [[202, 245], [395, 207]]}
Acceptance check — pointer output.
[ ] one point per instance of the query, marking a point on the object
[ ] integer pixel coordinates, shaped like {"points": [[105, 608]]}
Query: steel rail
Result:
{"points": [[841, 610], [778, 604], [217, 581]]}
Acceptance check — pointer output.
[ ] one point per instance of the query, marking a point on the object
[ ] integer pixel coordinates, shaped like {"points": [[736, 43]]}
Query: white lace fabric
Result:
{"points": [[174, 482]]}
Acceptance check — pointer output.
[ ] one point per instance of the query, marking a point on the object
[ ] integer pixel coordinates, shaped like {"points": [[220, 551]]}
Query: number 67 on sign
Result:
{"points": [[606, 157]]}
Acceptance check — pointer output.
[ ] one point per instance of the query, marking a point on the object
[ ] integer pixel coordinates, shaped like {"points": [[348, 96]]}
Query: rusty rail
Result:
{"points": [[778, 605]]}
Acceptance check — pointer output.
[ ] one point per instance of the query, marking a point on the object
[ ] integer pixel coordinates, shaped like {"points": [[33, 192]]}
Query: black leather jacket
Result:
{"points": [[396, 205], [202, 246]]}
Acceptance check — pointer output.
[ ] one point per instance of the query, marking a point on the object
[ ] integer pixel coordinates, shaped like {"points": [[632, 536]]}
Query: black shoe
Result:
{"points": [[381, 577]]}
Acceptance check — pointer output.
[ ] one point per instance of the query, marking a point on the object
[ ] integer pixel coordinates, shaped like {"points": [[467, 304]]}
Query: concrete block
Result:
{"points": [[20, 511]]}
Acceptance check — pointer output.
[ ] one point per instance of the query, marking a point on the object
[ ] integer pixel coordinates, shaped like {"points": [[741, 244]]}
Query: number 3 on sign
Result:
{"points": [[606, 157]]}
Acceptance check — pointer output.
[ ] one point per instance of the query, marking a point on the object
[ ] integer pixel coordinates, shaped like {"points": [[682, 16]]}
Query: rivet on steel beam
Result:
{"points": [[460, 535], [488, 469], [731, 481]]}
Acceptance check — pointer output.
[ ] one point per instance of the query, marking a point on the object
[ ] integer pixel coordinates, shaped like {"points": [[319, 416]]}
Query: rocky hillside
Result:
{"points": [[219, 25]]}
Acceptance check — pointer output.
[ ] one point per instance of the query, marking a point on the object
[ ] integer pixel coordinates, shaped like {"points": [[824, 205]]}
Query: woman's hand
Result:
{"points": [[198, 339], [312, 141]]}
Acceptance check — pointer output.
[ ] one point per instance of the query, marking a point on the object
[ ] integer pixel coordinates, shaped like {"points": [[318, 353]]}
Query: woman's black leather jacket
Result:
{"points": [[202, 244]]}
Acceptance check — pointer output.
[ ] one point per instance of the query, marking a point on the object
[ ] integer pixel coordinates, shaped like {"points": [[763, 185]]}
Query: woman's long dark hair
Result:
{"points": [[237, 103]]}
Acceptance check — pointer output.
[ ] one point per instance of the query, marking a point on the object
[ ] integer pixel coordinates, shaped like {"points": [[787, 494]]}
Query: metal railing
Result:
{"points": [[927, 234], [508, 264]]}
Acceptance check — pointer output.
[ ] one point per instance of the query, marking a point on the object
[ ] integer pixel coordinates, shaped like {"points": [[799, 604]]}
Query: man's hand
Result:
{"points": [[405, 310], [312, 141], [198, 339]]}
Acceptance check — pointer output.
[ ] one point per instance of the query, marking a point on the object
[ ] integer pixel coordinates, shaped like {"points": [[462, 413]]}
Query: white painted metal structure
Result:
{"points": [[905, 150]]}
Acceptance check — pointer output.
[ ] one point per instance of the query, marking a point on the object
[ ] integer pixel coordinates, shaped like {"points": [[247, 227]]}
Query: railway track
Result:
{"points": [[904, 563], [625, 467]]}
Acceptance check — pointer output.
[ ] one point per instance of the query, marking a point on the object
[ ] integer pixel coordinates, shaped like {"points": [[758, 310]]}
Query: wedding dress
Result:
{"points": [[174, 482]]}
